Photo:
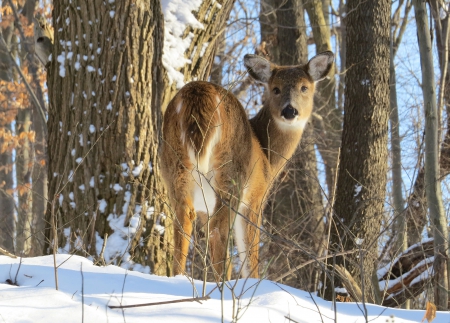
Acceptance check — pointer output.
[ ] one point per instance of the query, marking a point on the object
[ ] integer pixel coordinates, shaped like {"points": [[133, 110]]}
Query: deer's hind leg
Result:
{"points": [[185, 216], [220, 239], [182, 201]]}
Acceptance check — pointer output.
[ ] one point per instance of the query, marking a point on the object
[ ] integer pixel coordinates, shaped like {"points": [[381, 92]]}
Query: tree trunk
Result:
{"points": [[23, 171], [400, 221], [329, 134], [438, 219], [361, 181], [105, 83], [7, 225]]}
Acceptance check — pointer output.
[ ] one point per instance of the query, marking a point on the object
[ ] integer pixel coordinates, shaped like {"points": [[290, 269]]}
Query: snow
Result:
{"points": [[137, 170], [178, 15], [61, 60], [117, 188], [85, 291], [102, 205], [384, 285], [383, 270]]}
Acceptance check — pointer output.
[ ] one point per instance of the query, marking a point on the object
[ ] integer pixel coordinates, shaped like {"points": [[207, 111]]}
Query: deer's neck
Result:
{"points": [[278, 143]]}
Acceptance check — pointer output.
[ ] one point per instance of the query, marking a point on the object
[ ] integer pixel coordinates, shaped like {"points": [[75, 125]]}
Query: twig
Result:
{"points": [[17, 272], [195, 299], [311, 261], [101, 256], [55, 241], [82, 292], [7, 253]]}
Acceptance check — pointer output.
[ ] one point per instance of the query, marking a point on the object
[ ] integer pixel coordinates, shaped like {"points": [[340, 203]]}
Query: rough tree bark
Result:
{"points": [[329, 133], [7, 226], [23, 177], [361, 181], [105, 84]]}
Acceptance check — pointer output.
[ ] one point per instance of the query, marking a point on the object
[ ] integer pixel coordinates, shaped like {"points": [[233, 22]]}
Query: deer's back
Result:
{"points": [[206, 130]]}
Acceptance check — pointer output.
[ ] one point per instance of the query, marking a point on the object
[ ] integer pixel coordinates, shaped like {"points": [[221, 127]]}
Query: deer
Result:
{"points": [[217, 163]]}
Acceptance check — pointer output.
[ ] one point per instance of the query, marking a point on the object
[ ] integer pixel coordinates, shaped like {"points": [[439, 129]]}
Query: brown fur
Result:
{"points": [[243, 157]]}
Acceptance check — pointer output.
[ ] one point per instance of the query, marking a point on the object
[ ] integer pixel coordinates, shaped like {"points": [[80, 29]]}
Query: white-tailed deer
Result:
{"points": [[214, 160]]}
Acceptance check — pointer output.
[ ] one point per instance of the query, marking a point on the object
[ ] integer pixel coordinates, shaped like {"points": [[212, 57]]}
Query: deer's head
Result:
{"points": [[290, 89]]}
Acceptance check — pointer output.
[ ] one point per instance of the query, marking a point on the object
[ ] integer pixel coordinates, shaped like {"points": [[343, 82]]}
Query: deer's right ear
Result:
{"points": [[258, 67]]}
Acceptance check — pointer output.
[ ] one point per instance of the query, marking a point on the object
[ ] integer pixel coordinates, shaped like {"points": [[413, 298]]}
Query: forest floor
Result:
{"points": [[28, 294]]}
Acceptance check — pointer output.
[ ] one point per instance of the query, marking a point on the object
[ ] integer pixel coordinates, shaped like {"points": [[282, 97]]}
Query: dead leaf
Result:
{"points": [[430, 313]]}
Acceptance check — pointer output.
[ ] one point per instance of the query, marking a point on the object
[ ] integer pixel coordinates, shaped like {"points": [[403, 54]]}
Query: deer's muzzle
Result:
{"points": [[289, 112]]}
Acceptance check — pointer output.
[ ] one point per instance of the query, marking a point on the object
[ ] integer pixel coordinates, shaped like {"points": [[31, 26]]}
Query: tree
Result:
{"points": [[361, 180], [22, 118], [432, 184], [107, 85]]}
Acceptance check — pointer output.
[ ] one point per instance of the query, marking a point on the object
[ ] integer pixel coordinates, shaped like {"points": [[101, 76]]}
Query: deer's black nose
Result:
{"points": [[289, 112]]}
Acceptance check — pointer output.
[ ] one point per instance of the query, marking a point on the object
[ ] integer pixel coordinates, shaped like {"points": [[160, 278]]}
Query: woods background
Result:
{"points": [[363, 203]]}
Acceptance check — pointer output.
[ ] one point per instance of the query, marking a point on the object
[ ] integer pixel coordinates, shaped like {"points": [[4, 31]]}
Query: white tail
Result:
{"points": [[215, 160]]}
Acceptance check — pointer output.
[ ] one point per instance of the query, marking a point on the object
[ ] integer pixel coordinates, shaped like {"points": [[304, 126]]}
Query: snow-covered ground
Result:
{"points": [[86, 291]]}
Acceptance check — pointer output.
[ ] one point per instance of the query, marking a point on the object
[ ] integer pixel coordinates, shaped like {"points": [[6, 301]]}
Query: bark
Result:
{"points": [[432, 184], [7, 225], [361, 183], [39, 177], [103, 124], [29, 241], [269, 29], [23, 177], [417, 204], [342, 54], [397, 182]]}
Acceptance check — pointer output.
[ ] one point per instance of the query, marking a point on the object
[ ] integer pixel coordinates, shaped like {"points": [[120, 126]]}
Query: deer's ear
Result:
{"points": [[319, 66], [258, 67]]}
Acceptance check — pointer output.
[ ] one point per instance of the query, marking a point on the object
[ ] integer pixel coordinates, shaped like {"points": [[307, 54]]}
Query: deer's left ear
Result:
{"points": [[258, 67], [319, 66]]}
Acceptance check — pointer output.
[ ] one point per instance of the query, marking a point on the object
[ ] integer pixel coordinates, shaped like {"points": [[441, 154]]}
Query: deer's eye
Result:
{"points": [[304, 88], [276, 91]]}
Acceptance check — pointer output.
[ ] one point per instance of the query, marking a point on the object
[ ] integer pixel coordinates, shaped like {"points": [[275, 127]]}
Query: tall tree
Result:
{"points": [[361, 181], [438, 219], [329, 133], [7, 225], [107, 86]]}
